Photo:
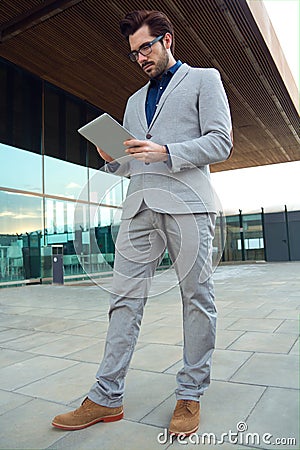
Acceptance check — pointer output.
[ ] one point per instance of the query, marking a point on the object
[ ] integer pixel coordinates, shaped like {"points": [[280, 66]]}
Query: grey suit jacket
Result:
{"points": [[193, 120]]}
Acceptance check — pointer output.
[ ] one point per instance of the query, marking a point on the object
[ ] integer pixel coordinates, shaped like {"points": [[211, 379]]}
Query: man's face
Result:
{"points": [[157, 62]]}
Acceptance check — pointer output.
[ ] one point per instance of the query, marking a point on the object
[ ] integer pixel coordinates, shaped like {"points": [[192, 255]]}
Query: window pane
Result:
{"points": [[60, 225], [20, 236], [61, 229], [105, 188], [53, 124], [20, 169], [27, 104], [65, 179], [233, 247], [94, 159], [4, 106], [64, 114], [19, 213], [253, 234], [76, 146], [21, 108]]}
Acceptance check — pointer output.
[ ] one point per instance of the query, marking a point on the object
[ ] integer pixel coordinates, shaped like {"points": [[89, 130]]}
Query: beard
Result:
{"points": [[161, 65]]}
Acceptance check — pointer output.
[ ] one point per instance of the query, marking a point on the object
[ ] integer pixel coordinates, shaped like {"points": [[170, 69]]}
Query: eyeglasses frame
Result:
{"points": [[135, 53]]}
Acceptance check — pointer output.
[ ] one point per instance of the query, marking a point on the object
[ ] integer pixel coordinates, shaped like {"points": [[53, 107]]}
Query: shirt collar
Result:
{"points": [[176, 66]]}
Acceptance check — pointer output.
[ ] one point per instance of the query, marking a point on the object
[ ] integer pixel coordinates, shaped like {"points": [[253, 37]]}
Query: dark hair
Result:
{"points": [[157, 22]]}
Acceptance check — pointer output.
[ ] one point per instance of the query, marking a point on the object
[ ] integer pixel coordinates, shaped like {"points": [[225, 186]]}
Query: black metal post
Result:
{"points": [[242, 235], [286, 215], [222, 222], [263, 232]]}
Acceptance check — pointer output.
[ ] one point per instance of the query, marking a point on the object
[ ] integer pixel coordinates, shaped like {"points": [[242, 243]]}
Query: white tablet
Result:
{"points": [[107, 134]]}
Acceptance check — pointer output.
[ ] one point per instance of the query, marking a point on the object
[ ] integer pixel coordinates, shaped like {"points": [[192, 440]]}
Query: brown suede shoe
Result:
{"points": [[186, 418], [86, 415]]}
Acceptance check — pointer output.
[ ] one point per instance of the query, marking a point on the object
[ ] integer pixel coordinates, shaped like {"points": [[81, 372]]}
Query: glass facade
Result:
{"points": [[244, 238], [51, 189], [53, 193]]}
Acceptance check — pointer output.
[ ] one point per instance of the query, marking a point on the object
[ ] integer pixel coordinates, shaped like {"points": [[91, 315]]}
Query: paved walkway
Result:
{"points": [[52, 338]]}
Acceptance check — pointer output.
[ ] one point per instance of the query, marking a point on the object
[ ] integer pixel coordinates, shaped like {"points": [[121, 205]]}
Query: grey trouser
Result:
{"points": [[140, 245]]}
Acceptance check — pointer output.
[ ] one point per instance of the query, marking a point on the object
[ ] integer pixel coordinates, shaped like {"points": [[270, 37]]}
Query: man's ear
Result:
{"points": [[168, 39]]}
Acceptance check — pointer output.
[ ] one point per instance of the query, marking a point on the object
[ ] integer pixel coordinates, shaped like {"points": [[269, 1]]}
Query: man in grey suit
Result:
{"points": [[181, 121]]}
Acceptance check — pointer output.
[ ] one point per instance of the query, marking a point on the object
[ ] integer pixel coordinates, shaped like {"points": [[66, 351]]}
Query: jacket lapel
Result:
{"points": [[176, 79], [141, 106]]}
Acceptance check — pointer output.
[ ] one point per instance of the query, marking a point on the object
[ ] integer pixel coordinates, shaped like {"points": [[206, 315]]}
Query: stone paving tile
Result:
{"points": [[64, 346], [13, 333], [277, 413], [295, 349], [90, 329], [222, 407], [30, 341], [225, 363], [225, 322], [156, 357], [270, 370], [264, 342], [10, 401], [226, 404], [289, 326], [175, 368], [161, 334], [33, 369], [28, 426], [256, 324], [123, 435], [170, 320], [57, 325], [195, 441], [92, 354], [226, 337], [284, 314], [8, 357], [251, 313], [27, 322], [86, 315], [46, 312], [283, 302], [244, 304], [65, 386], [144, 390], [8, 309]]}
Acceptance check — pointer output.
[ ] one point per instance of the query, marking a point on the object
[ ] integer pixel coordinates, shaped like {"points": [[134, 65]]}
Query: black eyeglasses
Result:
{"points": [[144, 50]]}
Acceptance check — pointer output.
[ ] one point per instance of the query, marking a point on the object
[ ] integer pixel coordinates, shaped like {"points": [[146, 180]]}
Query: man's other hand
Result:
{"points": [[146, 151], [104, 155]]}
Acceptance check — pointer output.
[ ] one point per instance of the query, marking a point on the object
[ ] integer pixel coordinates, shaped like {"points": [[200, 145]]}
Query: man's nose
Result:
{"points": [[142, 58]]}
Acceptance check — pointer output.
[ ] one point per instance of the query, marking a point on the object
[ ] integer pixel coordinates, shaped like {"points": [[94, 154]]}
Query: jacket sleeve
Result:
{"points": [[215, 143]]}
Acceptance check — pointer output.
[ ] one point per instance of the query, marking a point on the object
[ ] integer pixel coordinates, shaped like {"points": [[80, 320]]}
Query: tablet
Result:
{"points": [[106, 133]]}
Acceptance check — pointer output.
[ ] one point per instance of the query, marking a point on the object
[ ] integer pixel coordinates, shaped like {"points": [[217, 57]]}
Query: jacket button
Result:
{"points": [[148, 136]]}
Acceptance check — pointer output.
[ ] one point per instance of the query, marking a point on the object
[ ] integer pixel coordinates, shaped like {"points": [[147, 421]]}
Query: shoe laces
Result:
{"points": [[186, 402], [184, 405], [87, 403]]}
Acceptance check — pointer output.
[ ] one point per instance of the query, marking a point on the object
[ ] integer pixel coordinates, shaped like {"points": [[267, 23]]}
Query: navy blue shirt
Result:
{"points": [[156, 89]]}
